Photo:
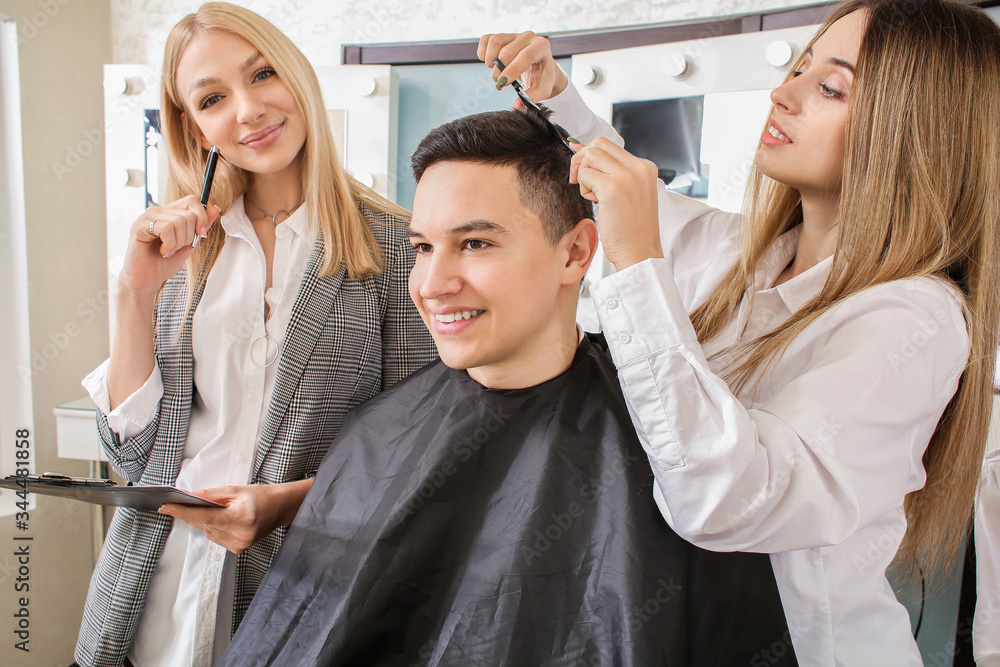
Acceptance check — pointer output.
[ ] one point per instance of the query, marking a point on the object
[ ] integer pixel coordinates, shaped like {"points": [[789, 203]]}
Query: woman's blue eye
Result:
{"points": [[263, 73], [209, 101], [830, 92]]}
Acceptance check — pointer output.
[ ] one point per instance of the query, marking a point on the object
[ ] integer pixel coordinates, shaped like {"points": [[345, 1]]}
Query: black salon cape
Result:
{"points": [[451, 524]]}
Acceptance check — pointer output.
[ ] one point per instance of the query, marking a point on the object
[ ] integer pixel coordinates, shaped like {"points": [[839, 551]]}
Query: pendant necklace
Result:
{"points": [[274, 216]]}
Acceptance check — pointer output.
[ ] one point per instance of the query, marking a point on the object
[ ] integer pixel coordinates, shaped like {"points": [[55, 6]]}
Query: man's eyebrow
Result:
{"points": [[471, 226], [210, 80], [839, 62], [479, 226]]}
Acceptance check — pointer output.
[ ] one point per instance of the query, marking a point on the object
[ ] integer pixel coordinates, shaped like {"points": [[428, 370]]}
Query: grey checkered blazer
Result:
{"points": [[346, 341]]}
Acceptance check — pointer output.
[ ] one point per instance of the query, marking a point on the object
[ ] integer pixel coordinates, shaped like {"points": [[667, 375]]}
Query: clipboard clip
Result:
{"points": [[57, 478]]}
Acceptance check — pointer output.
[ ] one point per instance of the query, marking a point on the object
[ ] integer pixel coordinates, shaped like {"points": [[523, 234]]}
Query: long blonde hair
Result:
{"points": [[920, 196], [331, 194]]}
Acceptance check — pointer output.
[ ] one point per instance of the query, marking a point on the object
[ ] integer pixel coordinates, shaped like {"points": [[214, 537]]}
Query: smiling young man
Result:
{"points": [[495, 284], [495, 507]]}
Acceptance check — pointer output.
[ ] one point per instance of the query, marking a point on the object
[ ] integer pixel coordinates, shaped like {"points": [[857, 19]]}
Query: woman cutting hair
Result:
{"points": [[234, 363], [812, 379]]}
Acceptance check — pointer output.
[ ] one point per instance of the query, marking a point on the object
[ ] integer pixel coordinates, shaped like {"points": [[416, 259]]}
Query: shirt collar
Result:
{"points": [[796, 291], [236, 222]]}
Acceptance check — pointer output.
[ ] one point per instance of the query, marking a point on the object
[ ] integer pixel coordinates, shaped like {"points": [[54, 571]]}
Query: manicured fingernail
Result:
{"points": [[501, 82], [572, 140]]}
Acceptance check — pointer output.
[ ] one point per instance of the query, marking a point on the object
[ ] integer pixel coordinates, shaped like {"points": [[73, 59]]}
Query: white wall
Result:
{"points": [[139, 27]]}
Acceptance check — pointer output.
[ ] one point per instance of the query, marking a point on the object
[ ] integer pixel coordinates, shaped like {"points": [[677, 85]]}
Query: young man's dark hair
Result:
{"points": [[522, 140]]}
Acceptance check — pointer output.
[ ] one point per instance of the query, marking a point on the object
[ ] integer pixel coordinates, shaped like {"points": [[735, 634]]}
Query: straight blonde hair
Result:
{"points": [[331, 194], [920, 196]]}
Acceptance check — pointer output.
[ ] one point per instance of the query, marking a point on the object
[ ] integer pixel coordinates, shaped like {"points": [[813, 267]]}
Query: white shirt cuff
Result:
{"points": [[572, 113], [641, 311], [986, 641], [136, 411]]}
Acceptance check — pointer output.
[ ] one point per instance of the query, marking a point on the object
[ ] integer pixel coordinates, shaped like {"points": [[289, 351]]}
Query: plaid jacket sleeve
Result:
{"points": [[406, 343]]}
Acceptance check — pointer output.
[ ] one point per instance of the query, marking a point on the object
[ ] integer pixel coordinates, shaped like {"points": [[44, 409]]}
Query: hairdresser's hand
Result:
{"points": [[152, 258], [251, 512], [528, 58], [626, 189]]}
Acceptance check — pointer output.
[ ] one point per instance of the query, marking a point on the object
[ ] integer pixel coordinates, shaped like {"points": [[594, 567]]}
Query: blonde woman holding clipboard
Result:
{"points": [[234, 363]]}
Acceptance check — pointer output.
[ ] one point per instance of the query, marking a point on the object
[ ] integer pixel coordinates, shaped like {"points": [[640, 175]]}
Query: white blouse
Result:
{"points": [[986, 628], [812, 465], [188, 610]]}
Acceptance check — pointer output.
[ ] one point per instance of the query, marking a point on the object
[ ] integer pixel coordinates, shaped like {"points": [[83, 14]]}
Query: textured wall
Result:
{"points": [[139, 27]]}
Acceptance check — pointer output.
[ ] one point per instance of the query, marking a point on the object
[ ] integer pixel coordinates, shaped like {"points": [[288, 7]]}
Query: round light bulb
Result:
{"points": [[365, 86], [677, 65], [779, 53], [131, 85], [586, 75], [133, 178]]}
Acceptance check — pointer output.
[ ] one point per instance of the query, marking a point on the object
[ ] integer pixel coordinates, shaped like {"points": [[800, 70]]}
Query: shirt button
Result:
{"points": [[252, 400], [611, 304], [624, 339]]}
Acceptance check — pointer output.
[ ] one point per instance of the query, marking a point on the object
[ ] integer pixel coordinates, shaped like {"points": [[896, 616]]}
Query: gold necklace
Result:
{"points": [[273, 217]]}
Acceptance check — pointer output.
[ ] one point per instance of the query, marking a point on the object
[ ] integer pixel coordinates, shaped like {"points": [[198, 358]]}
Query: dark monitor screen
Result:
{"points": [[668, 133]]}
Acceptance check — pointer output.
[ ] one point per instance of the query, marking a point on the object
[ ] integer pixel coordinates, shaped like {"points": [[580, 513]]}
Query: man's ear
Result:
{"points": [[195, 131], [581, 244]]}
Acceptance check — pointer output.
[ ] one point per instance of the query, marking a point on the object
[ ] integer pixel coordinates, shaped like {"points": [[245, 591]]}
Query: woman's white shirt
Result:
{"points": [[811, 465], [986, 628], [232, 391]]}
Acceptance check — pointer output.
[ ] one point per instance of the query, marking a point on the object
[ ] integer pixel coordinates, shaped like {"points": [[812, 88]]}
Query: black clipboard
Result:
{"points": [[103, 491]]}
